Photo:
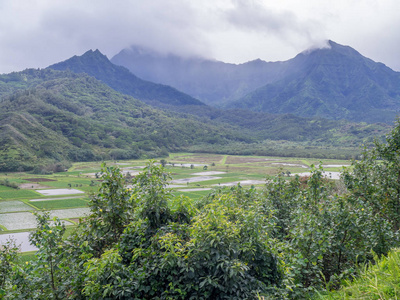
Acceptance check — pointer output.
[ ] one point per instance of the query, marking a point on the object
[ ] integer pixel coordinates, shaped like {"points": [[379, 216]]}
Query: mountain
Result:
{"points": [[75, 117], [95, 64], [211, 81], [335, 82], [50, 117]]}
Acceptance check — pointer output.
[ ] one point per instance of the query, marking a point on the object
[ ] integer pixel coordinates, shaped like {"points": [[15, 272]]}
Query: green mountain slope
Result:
{"points": [[50, 117], [25, 143], [76, 117], [334, 83], [262, 126], [122, 80]]}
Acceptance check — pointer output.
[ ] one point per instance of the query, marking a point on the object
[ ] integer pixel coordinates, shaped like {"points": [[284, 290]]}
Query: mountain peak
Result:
{"points": [[96, 64], [347, 50], [78, 64], [96, 55], [332, 47], [93, 53]]}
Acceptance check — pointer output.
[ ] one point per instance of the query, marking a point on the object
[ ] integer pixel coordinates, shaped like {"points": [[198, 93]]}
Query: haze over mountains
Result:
{"points": [[87, 108], [335, 82]]}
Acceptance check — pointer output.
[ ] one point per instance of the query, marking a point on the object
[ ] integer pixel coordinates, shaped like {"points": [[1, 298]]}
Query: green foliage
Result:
{"points": [[42, 277], [8, 259], [111, 210], [163, 162], [375, 179], [75, 117], [7, 182], [51, 117], [219, 252], [325, 236], [374, 281], [284, 241]]}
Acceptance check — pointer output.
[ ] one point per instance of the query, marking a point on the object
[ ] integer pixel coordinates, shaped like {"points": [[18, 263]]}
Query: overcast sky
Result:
{"points": [[37, 33]]}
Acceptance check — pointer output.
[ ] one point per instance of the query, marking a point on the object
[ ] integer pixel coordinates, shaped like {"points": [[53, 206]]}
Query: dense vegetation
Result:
{"points": [[75, 117], [285, 241], [259, 126], [375, 281], [49, 118]]}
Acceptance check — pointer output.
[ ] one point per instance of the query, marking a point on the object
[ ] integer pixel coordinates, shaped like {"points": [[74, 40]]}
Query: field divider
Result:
{"points": [[31, 205]]}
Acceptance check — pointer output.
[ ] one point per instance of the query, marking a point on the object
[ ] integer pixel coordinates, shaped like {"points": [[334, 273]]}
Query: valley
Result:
{"points": [[221, 204], [66, 194], [91, 110]]}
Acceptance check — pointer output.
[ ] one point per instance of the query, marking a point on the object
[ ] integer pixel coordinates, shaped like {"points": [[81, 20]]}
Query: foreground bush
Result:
{"points": [[379, 281], [218, 252], [144, 244]]}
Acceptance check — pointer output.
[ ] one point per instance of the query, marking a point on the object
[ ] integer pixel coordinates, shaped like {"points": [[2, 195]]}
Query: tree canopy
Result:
{"points": [[286, 240]]}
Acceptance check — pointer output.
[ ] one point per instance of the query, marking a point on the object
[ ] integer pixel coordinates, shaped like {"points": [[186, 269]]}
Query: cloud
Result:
{"points": [[251, 15], [38, 33], [50, 31], [285, 24]]}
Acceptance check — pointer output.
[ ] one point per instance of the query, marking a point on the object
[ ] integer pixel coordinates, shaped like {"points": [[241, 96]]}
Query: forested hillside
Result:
{"points": [[75, 117], [49, 118], [258, 125]]}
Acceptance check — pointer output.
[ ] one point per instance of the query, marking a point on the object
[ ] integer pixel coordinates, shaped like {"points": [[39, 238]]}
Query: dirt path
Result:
{"points": [[33, 186]]}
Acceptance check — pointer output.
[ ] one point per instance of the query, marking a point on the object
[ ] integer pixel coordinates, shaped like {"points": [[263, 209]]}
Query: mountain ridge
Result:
{"points": [[95, 64], [75, 117], [211, 81], [334, 82], [50, 117]]}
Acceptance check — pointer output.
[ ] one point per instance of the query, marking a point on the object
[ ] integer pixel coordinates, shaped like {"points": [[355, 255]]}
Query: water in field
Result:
{"points": [[21, 239], [57, 192]]}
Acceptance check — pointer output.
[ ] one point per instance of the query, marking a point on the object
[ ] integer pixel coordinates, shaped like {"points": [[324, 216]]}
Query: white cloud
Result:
{"points": [[37, 33]]}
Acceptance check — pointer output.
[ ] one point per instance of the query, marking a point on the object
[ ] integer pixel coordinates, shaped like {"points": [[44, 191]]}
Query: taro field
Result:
{"points": [[66, 194]]}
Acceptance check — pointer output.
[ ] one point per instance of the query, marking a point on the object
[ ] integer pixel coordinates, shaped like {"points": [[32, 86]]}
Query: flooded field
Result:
{"points": [[194, 175]]}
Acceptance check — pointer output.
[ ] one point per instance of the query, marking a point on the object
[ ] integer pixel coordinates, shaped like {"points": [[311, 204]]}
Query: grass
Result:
{"points": [[7, 193], [59, 204], [13, 206], [193, 195], [27, 256], [379, 281], [238, 168]]}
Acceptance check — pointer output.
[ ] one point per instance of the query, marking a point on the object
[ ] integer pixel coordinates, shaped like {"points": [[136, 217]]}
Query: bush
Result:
{"points": [[219, 252], [8, 183]]}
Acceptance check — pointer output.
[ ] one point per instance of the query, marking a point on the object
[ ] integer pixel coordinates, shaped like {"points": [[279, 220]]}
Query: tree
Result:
{"points": [[324, 235], [8, 259], [111, 210], [375, 179], [163, 162], [172, 251]]}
